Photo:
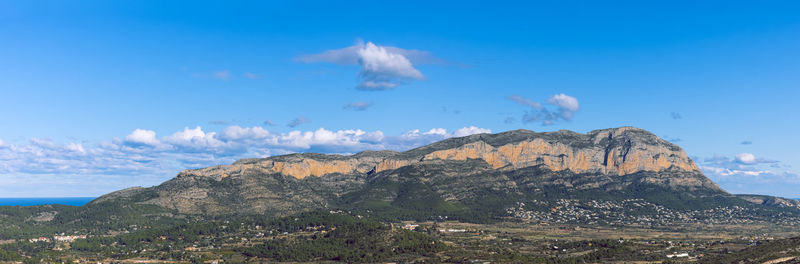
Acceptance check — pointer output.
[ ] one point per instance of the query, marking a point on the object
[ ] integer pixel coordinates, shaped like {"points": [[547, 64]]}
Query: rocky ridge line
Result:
{"points": [[618, 151]]}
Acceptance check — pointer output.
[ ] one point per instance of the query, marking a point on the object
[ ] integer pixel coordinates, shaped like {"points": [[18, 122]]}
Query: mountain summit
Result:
{"points": [[457, 174], [617, 151]]}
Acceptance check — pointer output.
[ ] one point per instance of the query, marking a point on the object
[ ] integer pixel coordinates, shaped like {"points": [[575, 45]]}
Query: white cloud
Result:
{"points": [[382, 67], [194, 138], [442, 133], [127, 161], [3, 144], [746, 158], [747, 173], [437, 131], [732, 172], [237, 132], [141, 136], [466, 131], [76, 147], [565, 103]]}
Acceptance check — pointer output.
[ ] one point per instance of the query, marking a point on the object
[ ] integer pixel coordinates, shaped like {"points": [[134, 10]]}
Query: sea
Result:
{"points": [[74, 201]]}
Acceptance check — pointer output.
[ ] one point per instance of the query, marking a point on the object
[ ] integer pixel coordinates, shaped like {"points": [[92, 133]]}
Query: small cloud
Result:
{"points": [[358, 106], [525, 101], [471, 130], [746, 158], [738, 161], [566, 106], [564, 101], [382, 67], [746, 142], [454, 111], [269, 122], [298, 121], [222, 75], [251, 76], [436, 131], [143, 137], [749, 158], [510, 120], [3, 144], [675, 115]]}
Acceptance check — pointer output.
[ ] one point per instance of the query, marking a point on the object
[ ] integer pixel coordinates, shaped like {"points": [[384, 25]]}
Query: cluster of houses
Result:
{"points": [[62, 238], [678, 255], [634, 211], [443, 230]]}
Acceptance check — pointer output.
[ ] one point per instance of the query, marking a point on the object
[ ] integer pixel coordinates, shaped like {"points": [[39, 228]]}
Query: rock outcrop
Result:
{"points": [[619, 151]]}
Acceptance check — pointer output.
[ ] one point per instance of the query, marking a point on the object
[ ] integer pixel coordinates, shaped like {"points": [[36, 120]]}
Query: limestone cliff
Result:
{"points": [[618, 151], [473, 177]]}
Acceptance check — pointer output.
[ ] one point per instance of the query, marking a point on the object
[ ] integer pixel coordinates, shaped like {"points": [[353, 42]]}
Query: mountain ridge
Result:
{"points": [[558, 177], [559, 150], [513, 166]]}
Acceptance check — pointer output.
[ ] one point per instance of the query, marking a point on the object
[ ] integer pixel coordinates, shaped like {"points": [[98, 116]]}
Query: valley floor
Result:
{"points": [[339, 236]]}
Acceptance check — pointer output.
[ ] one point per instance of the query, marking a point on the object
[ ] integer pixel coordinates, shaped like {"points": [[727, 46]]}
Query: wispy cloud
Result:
{"points": [[269, 122], [675, 115], [748, 173], [382, 67], [565, 108], [746, 142], [222, 75], [250, 75], [298, 121], [525, 101], [358, 106]]}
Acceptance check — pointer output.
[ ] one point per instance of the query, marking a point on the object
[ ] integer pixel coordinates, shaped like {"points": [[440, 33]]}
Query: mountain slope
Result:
{"points": [[516, 165], [604, 176]]}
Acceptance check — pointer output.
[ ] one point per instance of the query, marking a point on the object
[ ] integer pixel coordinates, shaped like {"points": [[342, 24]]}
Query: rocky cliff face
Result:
{"points": [[619, 151], [518, 163]]}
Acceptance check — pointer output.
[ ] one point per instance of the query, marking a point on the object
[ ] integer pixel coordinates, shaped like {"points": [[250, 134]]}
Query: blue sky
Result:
{"points": [[98, 95]]}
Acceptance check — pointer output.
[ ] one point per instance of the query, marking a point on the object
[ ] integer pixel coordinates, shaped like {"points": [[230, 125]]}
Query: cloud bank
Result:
{"points": [[748, 173], [143, 157]]}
